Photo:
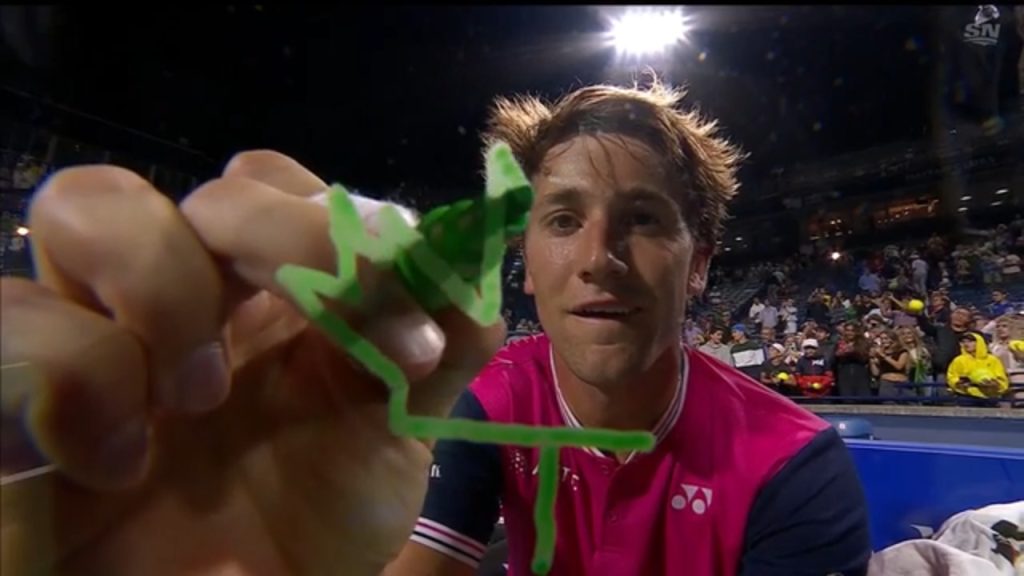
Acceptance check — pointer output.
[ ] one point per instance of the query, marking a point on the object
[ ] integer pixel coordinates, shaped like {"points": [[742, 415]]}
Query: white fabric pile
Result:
{"points": [[988, 541]]}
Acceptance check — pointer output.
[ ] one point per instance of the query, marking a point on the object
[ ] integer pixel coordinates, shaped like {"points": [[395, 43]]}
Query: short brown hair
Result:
{"points": [[704, 163]]}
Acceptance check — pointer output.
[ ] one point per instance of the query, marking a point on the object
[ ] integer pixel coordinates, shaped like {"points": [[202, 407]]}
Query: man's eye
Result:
{"points": [[563, 223], [644, 219]]}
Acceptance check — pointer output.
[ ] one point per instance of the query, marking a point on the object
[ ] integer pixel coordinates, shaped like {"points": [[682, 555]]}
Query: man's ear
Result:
{"points": [[699, 266]]}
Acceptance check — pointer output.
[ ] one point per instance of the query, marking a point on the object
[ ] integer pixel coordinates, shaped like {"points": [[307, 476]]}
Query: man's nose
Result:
{"points": [[602, 252]]}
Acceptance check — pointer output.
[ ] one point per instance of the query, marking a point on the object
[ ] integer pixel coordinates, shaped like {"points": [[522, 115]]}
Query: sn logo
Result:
{"points": [[986, 34], [984, 31], [697, 498]]}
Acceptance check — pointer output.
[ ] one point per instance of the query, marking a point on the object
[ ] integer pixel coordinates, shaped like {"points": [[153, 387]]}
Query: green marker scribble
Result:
{"points": [[452, 258]]}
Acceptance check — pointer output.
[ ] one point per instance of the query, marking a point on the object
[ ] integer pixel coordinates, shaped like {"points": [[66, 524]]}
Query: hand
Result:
{"points": [[197, 422]]}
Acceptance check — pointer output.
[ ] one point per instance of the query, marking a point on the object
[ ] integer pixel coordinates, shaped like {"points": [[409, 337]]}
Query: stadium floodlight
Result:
{"points": [[643, 31]]}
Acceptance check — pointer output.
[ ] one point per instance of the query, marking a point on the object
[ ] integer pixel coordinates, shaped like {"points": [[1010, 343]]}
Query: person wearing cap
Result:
{"points": [[776, 374], [747, 356], [813, 371], [975, 372]]}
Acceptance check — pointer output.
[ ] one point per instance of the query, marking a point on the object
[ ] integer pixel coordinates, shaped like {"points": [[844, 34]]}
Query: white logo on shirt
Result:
{"points": [[567, 476], [697, 498], [435, 470]]}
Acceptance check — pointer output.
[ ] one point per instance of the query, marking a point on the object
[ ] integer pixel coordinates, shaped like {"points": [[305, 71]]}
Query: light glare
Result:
{"points": [[642, 32]]}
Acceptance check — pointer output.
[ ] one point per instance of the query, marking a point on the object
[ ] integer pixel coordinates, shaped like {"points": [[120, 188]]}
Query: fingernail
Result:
{"points": [[201, 383], [412, 337], [123, 455]]}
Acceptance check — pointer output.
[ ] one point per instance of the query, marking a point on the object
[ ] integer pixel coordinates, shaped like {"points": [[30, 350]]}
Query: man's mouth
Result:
{"points": [[605, 311]]}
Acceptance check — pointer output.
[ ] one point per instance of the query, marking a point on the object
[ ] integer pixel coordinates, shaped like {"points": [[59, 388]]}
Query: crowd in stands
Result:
{"points": [[860, 333], [915, 315]]}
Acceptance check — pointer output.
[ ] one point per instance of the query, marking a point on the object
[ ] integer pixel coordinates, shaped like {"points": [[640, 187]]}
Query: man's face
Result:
{"points": [[810, 351], [609, 258], [969, 345], [767, 334], [998, 296], [960, 318], [850, 331], [1002, 329], [738, 336], [716, 336]]}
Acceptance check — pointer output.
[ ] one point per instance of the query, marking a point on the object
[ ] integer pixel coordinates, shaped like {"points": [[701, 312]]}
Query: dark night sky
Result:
{"points": [[378, 97]]}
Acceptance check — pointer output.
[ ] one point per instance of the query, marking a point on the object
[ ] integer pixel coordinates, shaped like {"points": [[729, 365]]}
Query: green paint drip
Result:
{"points": [[452, 258]]}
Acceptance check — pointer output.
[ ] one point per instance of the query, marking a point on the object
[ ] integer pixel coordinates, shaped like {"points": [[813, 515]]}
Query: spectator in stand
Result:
{"points": [[826, 342], [861, 307], [919, 274], [1000, 305], [975, 372], [716, 348], [769, 316], [788, 314], [875, 323], [945, 282], [853, 377], [991, 267], [772, 370], [963, 271], [747, 356], [920, 357], [813, 372], [939, 310], [1011, 266], [691, 331], [754, 315], [889, 363], [869, 282], [1008, 328], [767, 336], [817, 310], [947, 338]]}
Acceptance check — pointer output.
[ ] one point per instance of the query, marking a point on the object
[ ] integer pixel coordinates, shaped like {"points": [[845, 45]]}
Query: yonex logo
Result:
{"points": [[698, 499]]}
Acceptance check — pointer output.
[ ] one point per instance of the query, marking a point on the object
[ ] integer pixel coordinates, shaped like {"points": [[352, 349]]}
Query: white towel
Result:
{"points": [[965, 545]]}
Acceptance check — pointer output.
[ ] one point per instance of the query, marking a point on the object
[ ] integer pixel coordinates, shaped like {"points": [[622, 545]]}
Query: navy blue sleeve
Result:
{"points": [[463, 494], [811, 519]]}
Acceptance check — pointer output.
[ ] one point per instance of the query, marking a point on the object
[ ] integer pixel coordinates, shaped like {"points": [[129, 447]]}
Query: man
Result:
{"points": [[747, 355], [919, 274], [778, 375], [826, 343], [975, 372], [947, 338], [754, 315], [999, 306], [619, 238], [213, 429], [769, 316], [1008, 328], [716, 348], [814, 373]]}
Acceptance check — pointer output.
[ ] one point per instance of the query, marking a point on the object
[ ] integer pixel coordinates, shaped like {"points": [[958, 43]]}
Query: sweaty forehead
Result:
{"points": [[603, 165]]}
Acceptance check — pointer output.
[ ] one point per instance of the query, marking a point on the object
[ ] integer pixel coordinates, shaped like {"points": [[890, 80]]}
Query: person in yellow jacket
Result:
{"points": [[975, 372]]}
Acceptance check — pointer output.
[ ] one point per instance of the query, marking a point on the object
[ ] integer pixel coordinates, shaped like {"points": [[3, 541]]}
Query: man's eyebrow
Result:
{"points": [[561, 197], [640, 193]]}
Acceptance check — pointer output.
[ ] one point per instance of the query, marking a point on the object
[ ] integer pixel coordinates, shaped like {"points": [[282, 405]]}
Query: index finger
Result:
{"points": [[275, 170]]}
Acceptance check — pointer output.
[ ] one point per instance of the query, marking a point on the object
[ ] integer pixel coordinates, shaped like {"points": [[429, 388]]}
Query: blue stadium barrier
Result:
{"points": [[912, 488]]}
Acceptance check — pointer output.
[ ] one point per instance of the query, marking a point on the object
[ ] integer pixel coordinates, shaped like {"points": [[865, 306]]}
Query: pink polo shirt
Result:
{"points": [[688, 507]]}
